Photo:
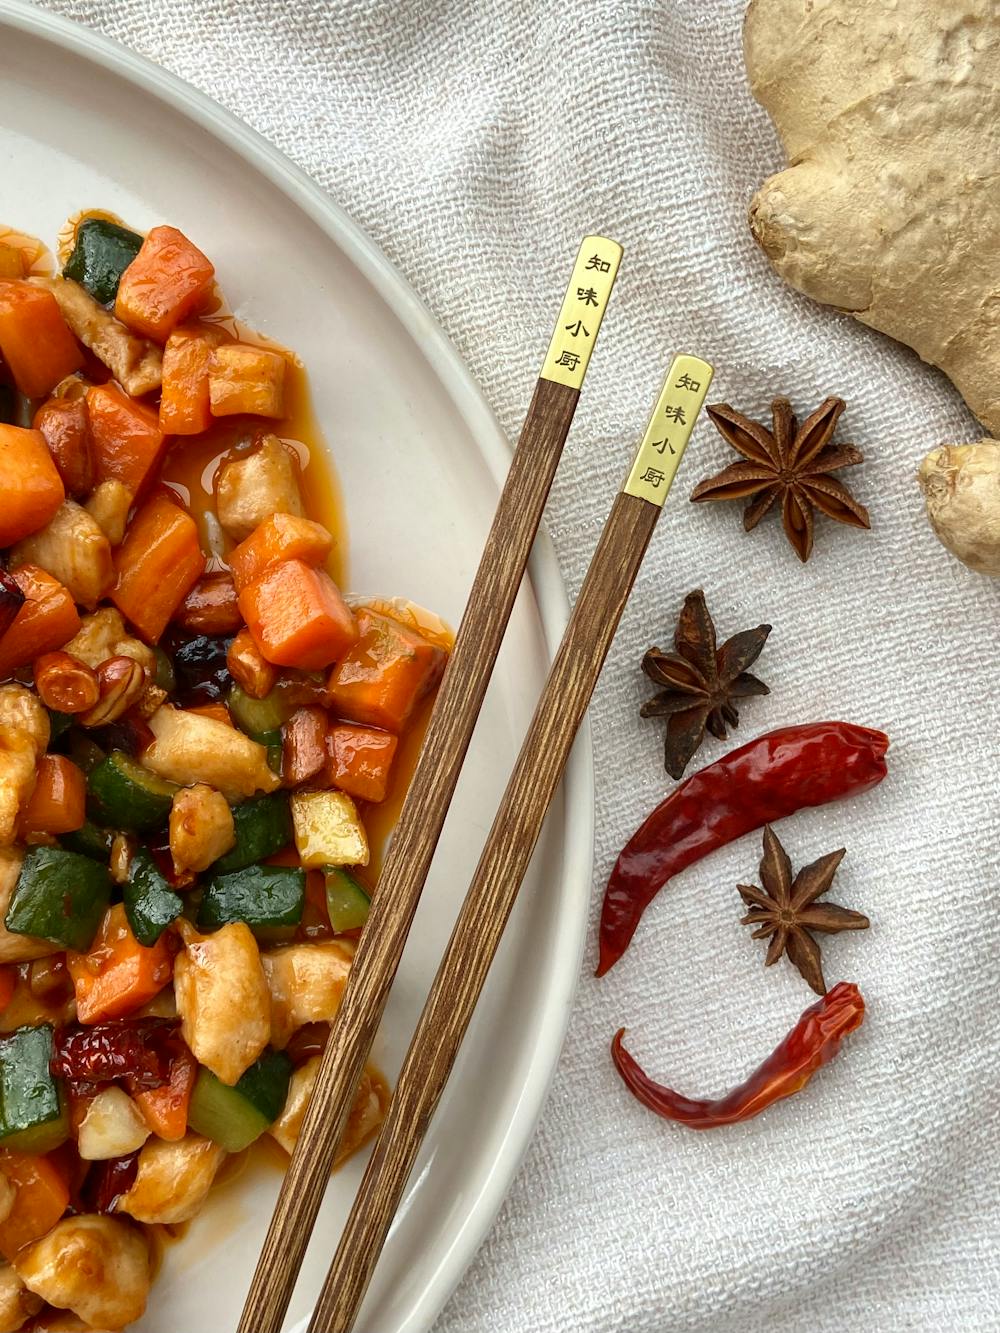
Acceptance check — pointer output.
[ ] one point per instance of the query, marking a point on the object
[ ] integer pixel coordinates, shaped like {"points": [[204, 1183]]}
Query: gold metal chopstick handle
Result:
{"points": [[583, 308], [669, 429]]}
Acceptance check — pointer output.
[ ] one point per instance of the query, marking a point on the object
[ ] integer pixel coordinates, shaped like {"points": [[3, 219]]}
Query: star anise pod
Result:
{"points": [[786, 912], [699, 682], [788, 461]]}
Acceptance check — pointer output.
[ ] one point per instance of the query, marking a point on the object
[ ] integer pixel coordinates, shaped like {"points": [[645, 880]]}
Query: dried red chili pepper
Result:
{"points": [[761, 782], [813, 1042], [107, 1181], [140, 1048]]}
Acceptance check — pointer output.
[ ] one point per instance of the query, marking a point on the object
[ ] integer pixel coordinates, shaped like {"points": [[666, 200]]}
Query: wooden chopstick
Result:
{"points": [[415, 837], [511, 842]]}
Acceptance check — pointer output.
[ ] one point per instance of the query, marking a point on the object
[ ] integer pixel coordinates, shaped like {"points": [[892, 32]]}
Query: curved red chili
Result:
{"points": [[763, 781], [813, 1042]]}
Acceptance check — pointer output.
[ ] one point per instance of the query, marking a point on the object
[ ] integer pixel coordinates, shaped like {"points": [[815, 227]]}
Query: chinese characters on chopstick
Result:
{"points": [[582, 310], [668, 431]]}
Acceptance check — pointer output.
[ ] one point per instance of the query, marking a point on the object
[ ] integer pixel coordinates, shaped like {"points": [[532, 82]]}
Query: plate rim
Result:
{"points": [[470, 1228]]}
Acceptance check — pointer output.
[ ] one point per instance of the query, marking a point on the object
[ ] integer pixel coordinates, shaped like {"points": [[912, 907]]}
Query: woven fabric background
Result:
{"points": [[476, 142]]}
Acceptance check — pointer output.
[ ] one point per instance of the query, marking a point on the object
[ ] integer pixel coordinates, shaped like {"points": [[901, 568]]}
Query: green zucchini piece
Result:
{"points": [[102, 253], [258, 895], [151, 905], [263, 826], [59, 896], [165, 676], [274, 744], [33, 1114], [259, 717], [234, 1117], [59, 724], [127, 796], [83, 749], [89, 840], [347, 900]]}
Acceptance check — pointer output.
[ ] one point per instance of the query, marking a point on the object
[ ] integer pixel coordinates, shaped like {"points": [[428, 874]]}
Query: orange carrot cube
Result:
{"points": [[385, 675], [57, 805], [298, 617], [280, 537], [118, 974], [157, 566], [31, 489], [46, 621], [41, 1199], [359, 760], [127, 442], [34, 338], [243, 379], [165, 1109], [184, 403], [166, 281]]}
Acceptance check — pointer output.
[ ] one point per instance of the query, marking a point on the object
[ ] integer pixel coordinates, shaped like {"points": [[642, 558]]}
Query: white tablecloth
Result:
{"points": [[485, 139]]}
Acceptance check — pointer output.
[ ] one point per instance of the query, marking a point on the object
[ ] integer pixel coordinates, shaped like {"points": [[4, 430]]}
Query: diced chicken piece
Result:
{"points": [[249, 490], [191, 747], [21, 710], [16, 948], [73, 548], [305, 982], [328, 829], [112, 1126], [201, 828], [17, 1303], [103, 635], [109, 505], [173, 1180], [246, 379], [136, 364], [24, 735], [223, 999], [367, 1111], [98, 1267]]}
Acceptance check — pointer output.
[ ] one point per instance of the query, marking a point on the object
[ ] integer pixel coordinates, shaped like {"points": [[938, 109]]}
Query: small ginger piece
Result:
{"points": [[961, 486], [888, 115], [201, 828]]}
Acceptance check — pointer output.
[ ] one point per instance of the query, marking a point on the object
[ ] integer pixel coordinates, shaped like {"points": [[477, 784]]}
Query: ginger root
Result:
{"points": [[889, 112], [961, 485]]}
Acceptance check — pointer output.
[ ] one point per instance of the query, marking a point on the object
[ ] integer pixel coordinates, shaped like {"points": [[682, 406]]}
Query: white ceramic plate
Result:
{"points": [[84, 123]]}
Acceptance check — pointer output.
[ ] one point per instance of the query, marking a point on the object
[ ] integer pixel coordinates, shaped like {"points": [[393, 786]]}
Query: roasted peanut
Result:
{"points": [[65, 684], [210, 607], [304, 746], [121, 681], [65, 426], [251, 671]]}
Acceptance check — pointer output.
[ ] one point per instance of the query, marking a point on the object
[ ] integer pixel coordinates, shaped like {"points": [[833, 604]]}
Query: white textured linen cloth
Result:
{"points": [[476, 143]]}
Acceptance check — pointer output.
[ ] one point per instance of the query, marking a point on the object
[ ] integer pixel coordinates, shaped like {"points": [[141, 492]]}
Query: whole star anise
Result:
{"points": [[786, 912], [788, 461], [699, 683]]}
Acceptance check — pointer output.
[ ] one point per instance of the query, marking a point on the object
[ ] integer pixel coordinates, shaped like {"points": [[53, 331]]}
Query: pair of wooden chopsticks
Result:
{"points": [[515, 831]]}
